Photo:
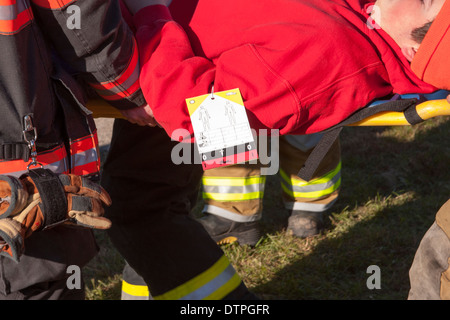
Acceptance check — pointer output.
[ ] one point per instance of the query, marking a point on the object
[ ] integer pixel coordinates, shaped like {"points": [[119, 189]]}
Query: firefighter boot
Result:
{"points": [[225, 231], [305, 224]]}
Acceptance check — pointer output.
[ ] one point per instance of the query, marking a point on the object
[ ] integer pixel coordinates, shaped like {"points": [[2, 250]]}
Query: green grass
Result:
{"points": [[394, 179]]}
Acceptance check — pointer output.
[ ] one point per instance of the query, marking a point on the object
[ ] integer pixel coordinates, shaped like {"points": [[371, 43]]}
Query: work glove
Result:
{"points": [[41, 199]]}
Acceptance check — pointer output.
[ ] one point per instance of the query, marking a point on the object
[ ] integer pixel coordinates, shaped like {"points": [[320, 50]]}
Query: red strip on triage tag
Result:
{"points": [[229, 156]]}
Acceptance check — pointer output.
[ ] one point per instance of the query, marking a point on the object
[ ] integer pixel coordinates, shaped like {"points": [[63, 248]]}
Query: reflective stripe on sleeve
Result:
{"points": [[123, 86], [54, 159], [53, 4], [85, 156], [14, 15], [85, 159]]}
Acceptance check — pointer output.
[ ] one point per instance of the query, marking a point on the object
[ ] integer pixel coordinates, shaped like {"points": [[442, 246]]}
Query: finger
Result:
{"points": [[90, 220], [142, 116], [81, 186], [133, 121], [143, 122], [147, 120], [152, 122], [78, 203], [87, 212], [139, 122]]}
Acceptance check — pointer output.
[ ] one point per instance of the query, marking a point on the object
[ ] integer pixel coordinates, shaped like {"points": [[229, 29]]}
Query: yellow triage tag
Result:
{"points": [[221, 129]]}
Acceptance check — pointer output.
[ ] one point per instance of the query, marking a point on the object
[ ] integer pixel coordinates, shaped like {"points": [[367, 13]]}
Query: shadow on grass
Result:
{"points": [[394, 180]]}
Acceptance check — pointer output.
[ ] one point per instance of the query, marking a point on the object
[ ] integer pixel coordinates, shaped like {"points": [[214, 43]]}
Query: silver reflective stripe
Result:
{"points": [[210, 287], [123, 86], [10, 12], [85, 157], [214, 283], [305, 206], [57, 167], [230, 215], [313, 187], [234, 189]]}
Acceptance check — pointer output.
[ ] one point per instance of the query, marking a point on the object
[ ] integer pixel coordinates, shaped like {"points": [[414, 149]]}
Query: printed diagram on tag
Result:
{"points": [[221, 128]]}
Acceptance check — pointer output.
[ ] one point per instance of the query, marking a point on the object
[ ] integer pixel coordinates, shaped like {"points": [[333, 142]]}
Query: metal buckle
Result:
{"points": [[30, 136]]}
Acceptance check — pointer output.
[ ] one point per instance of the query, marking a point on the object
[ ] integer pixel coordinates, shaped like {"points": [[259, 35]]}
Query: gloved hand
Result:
{"points": [[41, 199]]}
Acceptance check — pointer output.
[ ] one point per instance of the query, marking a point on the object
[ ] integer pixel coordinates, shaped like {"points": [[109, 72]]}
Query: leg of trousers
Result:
{"points": [[151, 227], [42, 272], [133, 285], [430, 271], [236, 192], [321, 192]]}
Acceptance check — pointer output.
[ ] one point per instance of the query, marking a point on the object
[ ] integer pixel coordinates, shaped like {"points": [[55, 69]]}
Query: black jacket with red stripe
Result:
{"points": [[48, 48]]}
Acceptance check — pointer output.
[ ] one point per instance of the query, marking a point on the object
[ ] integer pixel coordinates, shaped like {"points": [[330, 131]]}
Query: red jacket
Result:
{"points": [[301, 66]]}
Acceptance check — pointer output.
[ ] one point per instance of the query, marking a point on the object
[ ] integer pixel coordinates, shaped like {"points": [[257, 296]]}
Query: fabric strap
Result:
{"points": [[14, 151], [53, 198]]}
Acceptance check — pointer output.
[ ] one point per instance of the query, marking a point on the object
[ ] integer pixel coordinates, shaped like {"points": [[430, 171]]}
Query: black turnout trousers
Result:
{"points": [[152, 198]]}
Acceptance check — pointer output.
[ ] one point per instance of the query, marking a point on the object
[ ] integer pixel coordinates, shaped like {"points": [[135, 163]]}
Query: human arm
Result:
{"points": [[100, 51], [283, 86]]}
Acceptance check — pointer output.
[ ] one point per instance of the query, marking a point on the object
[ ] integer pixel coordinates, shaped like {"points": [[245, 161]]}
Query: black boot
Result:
{"points": [[305, 224], [228, 231]]}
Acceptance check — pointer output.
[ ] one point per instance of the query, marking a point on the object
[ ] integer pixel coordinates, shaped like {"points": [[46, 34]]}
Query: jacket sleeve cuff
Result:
{"points": [[148, 15]]}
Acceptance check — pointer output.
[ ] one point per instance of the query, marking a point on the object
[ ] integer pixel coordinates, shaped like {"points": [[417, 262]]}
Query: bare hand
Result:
{"points": [[142, 116], [135, 5], [448, 98]]}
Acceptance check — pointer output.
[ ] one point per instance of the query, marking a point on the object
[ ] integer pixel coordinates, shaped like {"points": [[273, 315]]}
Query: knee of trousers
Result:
{"points": [[234, 190]]}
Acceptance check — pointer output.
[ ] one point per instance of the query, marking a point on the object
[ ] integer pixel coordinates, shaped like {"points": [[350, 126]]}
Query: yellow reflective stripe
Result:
{"points": [[135, 290], [229, 185], [313, 194], [233, 196], [318, 187], [219, 280], [231, 181], [301, 183]]}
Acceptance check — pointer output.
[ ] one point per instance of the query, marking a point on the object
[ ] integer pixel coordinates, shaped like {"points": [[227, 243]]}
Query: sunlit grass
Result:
{"points": [[394, 179]]}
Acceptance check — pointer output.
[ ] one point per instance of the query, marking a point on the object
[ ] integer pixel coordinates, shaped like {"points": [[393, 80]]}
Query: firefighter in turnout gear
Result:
{"points": [[233, 199], [264, 57], [429, 274], [48, 140], [169, 255]]}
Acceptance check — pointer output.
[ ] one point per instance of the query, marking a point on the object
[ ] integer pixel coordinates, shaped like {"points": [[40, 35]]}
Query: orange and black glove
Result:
{"points": [[41, 199]]}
